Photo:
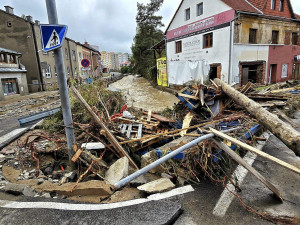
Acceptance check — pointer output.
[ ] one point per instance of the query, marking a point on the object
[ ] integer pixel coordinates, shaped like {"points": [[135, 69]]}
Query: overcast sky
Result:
{"points": [[110, 24]]}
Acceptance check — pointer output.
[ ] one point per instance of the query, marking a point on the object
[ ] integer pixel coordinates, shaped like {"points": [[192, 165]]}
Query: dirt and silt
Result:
{"points": [[52, 176]]}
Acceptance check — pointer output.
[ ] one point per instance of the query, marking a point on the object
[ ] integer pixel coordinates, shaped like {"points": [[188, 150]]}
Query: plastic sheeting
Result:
{"points": [[180, 72]]}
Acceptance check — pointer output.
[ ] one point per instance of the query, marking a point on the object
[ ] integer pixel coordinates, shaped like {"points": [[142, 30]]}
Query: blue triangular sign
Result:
{"points": [[52, 36]]}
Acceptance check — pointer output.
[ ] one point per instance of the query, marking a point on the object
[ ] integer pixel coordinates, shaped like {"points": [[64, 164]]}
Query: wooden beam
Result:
{"points": [[256, 151], [188, 96], [109, 135], [285, 132], [238, 159]]}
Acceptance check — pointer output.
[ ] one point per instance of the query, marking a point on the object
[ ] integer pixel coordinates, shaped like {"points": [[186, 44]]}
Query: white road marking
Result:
{"points": [[11, 134], [240, 173], [88, 207]]}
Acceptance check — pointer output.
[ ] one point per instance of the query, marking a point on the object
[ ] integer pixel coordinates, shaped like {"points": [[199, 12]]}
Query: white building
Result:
{"points": [[197, 34], [235, 40]]}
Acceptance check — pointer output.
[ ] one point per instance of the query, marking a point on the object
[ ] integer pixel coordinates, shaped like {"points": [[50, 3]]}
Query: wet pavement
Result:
{"points": [[139, 93]]}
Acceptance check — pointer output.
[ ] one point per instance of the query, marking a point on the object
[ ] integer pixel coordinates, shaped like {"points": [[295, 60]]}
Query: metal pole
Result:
{"points": [[151, 166], [62, 81]]}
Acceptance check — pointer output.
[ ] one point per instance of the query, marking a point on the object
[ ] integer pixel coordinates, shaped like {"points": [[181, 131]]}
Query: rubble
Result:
{"points": [[117, 171], [114, 142], [157, 186]]}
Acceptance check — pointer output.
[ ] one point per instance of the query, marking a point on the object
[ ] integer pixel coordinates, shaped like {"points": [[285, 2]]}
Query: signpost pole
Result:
{"points": [[62, 82]]}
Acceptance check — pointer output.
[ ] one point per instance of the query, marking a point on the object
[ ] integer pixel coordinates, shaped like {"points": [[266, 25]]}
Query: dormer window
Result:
{"points": [[281, 7], [273, 3]]}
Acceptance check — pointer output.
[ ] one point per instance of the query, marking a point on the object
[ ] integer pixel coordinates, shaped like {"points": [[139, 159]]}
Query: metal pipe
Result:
{"points": [[151, 166], [62, 82]]}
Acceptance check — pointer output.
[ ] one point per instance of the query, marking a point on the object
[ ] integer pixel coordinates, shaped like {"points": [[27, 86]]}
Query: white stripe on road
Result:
{"points": [[239, 175], [11, 134], [88, 207]]}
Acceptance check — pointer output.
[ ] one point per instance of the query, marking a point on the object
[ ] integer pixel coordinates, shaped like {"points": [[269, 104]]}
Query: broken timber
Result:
{"points": [[238, 159], [255, 151], [109, 135], [286, 133]]}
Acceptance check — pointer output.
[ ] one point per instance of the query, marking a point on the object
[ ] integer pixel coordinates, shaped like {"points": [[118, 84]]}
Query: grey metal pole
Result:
{"points": [[151, 166], [62, 81]]}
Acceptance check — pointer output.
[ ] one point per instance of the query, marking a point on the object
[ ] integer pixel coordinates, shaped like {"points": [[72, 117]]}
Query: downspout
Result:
{"points": [[70, 57], [38, 57], [231, 48]]}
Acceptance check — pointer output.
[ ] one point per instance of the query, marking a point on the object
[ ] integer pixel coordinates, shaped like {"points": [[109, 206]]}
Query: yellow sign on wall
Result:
{"points": [[162, 78]]}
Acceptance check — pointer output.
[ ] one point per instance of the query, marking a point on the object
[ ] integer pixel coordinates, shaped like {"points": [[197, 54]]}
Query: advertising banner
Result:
{"points": [[162, 79]]}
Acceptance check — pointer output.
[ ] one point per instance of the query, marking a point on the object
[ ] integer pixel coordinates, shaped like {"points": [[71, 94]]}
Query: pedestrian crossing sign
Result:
{"points": [[52, 36]]}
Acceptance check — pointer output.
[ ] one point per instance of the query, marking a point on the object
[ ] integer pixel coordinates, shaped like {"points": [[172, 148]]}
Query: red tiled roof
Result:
{"points": [[297, 16], [241, 5]]}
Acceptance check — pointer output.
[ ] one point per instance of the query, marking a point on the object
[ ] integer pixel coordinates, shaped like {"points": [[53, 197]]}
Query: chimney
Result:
{"points": [[9, 9], [37, 22], [29, 18], [86, 43]]}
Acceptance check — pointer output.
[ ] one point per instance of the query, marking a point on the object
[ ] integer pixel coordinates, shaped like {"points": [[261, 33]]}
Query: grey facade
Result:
{"points": [[12, 74], [18, 34]]}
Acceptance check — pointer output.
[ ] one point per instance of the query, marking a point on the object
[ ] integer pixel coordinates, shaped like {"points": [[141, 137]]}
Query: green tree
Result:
{"points": [[148, 34], [124, 69]]}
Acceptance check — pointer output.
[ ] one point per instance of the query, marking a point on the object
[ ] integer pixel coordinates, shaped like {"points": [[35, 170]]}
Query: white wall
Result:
{"points": [[210, 7], [248, 53], [192, 46]]}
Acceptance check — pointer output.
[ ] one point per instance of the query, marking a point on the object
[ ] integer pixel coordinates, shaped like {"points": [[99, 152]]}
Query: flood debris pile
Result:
{"points": [[125, 153]]}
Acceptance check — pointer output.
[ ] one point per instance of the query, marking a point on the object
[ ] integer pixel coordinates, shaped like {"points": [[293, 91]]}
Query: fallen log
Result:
{"points": [[109, 135], [286, 133], [254, 172]]}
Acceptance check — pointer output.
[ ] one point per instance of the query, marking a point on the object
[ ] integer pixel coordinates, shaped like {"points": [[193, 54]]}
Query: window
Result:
{"points": [[178, 46], [73, 55], [252, 36], [295, 38], [55, 71], [275, 34], [68, 69], [66, 52], [200, 9], [187, 14], [48, 72], [273, 3], [281, 6], [79, 54], [284, 73], [208, 40]]}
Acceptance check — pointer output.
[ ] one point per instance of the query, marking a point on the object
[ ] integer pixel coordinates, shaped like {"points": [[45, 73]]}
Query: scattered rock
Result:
{"points": [[126, 194], [46, 195], [157, 186], [180, 181], [63, 180], [144, 179], [15, 189], [40, 181], [117, 171], [93, 146], [71, 175], [29, 192], [149, 158], [7, 151]]}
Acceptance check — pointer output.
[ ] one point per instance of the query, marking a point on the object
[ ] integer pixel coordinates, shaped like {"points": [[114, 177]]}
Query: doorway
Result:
{"points": [[215, 71], [296, 71], [253, 72], [273, 73], [10, 86]]}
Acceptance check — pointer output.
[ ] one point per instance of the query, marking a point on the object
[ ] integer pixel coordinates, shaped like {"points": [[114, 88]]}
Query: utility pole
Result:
{"points": [[62, 82]]}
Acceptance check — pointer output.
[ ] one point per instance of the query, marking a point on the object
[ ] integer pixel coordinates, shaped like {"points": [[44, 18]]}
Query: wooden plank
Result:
{"points": [[149, 116], [109, 135], [285, 117], [188, 96], [76, 155], [160, 118], [186, 123], [284, 90], [256, 151], [254, 172]]}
